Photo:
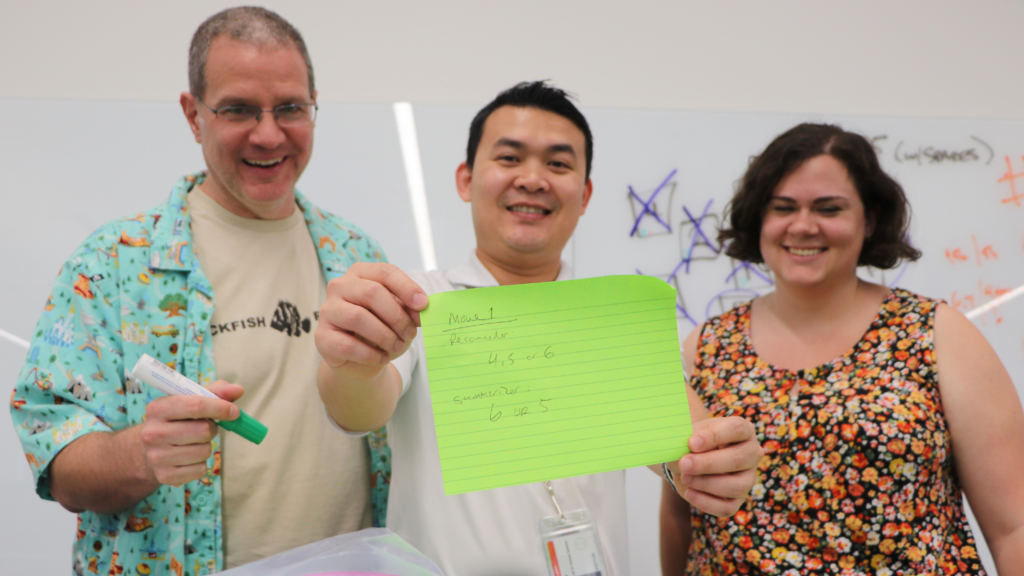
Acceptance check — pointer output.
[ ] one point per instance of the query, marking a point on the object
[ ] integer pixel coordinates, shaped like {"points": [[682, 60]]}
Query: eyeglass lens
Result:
{"points": [[286, 114]]}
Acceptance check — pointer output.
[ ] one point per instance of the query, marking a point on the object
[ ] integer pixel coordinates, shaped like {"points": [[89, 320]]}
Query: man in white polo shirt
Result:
{"points": [[526, 175]]}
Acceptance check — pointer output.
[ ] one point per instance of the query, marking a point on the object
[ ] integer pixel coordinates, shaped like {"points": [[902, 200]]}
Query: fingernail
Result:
{"points": [[398, 346], [696, 443], [384, 359], [686, 479], [235, 413], [686, 467], [409, 334], [419, 300], [689, 495]]}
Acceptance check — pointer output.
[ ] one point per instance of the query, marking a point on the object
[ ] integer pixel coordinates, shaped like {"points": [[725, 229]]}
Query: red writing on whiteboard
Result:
{"points": [[982, 253], [1010, 177], [986, 293]]}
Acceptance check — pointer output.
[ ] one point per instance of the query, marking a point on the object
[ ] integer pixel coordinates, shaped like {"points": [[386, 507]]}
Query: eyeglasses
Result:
{"points": [[287, 115]]}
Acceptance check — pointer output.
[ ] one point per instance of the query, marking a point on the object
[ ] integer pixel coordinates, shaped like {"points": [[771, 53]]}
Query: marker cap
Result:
{"points": [[246, 426]]}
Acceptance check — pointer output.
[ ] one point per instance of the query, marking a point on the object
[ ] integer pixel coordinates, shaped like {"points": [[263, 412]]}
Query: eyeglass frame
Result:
{"points": [[259, 115]]}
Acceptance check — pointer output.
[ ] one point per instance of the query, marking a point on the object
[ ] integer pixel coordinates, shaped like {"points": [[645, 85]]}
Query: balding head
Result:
{"points": [[250, 24]]}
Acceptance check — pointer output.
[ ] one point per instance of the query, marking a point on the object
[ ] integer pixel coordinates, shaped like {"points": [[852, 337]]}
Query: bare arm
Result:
{"points": [[104, 472], [359, 405], [675, 533], [370, 317], [108, 472], [721, 468], [986, 423]]}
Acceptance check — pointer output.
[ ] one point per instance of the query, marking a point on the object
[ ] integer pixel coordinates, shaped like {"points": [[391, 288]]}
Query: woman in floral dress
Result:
{"points": [[877, 408]]}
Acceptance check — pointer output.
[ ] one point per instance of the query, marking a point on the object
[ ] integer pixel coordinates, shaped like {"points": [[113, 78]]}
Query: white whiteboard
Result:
{"points": [[69, 166]]}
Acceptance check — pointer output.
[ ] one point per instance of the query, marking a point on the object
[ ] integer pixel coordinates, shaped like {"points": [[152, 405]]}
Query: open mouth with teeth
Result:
{"points": [[804, 251], [263, 163], [529, 210]]}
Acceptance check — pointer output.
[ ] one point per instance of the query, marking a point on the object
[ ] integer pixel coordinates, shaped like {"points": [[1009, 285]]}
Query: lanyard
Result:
{"points": [[551, 492]]}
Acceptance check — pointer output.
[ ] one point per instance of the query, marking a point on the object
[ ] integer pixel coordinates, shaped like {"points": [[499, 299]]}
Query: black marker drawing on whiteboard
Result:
{"points": [[928, 155]]}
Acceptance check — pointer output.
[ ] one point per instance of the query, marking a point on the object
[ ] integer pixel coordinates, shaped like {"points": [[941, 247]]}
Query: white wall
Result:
{"points": [[903, 58]]}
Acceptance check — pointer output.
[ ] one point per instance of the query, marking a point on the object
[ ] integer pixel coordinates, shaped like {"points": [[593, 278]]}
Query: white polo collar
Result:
{"points": [[474, 274]]}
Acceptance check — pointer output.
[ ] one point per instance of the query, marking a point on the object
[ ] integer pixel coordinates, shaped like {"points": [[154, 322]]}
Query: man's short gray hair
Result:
{"points": [[250, 24]]}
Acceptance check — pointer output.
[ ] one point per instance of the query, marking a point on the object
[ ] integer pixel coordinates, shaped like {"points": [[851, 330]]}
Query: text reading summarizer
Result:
{"points": [[552, 380]]}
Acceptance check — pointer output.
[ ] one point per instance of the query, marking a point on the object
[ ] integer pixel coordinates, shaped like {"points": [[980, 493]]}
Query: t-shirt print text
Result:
{"points": [[286, 319]]}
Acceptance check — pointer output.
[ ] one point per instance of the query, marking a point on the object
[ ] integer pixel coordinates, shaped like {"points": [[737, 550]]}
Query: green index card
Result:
{"points": [[543, 381]]}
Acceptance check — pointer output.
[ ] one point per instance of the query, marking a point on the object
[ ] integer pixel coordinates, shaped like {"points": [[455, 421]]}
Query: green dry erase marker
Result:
{"points": [[163, 378]]}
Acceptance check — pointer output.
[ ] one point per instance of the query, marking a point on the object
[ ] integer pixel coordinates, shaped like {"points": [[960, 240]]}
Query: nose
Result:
{"points": [[267, 133], [804, 223], [532, 178]]}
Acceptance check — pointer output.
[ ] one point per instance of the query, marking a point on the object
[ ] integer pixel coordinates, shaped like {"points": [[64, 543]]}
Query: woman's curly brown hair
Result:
{"points": [[885, 204]]}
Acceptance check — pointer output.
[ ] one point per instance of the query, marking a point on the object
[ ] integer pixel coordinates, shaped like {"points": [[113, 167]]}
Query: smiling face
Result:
{"points": [[252, 170], [528, 186], [814, 226]]}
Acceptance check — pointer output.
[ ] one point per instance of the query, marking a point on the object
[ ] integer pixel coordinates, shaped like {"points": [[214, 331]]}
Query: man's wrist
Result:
{"points": [[130, 442], [346, 376], [350, 401]]}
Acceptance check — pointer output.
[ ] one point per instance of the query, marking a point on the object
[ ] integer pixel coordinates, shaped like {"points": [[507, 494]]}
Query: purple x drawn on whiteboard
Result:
{"points": [[686, 315], [679, 307], [646, 205], [697, 232], [744, 265]]}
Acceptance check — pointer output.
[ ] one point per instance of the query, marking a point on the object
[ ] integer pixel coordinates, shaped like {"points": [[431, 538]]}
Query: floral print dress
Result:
{"points": [[858, 475]]}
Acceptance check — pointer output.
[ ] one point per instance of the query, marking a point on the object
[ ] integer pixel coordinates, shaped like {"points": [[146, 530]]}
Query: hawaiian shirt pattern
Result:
{"points": [[134, 287], [858, 475]]}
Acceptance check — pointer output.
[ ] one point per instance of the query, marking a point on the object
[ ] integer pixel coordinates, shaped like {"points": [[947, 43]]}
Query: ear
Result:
{"points": [[464, 181], [869, 225], [588, 189], [188, 106]]}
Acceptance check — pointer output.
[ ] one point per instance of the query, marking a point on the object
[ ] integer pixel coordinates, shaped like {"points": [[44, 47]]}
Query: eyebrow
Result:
{"points": [[510, 143], [517, 145], [238, 100], [816, 200], [562, 148]]}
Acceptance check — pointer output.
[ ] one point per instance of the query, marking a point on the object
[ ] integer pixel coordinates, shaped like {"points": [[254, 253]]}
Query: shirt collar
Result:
{"points": [[172, 232], [474, 274]]}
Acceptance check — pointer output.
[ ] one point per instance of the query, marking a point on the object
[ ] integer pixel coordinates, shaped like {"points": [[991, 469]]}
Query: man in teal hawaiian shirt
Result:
{"points": [[144, 470]]}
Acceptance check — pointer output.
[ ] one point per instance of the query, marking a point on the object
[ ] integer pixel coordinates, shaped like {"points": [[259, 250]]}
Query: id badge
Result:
{"points": [[571, 545]]}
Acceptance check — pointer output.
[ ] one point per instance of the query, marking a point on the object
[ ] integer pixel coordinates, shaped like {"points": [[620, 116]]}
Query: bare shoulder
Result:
{"points": [[953, 331], [967, 364]]}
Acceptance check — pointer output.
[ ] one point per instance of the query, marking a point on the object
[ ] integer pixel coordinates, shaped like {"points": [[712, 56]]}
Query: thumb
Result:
{"points": [[226, 390]]}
